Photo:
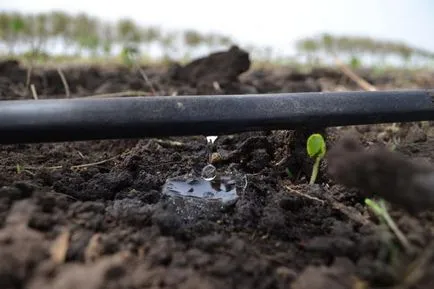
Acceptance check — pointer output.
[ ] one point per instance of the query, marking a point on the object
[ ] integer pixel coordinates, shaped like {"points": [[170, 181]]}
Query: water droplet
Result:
{"points": [[209, 172], [211, 139]]}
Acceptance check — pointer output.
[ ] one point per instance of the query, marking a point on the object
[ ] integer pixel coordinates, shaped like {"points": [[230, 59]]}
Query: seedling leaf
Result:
{"points": [[316, 149], [374, 207], [316, 146]]}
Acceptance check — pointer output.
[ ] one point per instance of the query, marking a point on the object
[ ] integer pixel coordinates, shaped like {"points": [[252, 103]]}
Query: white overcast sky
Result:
{"points": [[268, 22]]}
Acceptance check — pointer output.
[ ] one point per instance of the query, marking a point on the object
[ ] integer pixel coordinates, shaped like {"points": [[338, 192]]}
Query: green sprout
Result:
{"points": [[19, 169], [379, 208], [316, 149], [289, 173]]}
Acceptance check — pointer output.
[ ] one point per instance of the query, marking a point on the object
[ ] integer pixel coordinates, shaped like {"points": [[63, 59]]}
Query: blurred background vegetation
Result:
{"points": [[59, 36]]}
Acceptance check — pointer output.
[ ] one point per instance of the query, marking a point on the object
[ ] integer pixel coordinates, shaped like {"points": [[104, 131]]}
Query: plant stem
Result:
{"points": [[392, 225], [314, 171]]}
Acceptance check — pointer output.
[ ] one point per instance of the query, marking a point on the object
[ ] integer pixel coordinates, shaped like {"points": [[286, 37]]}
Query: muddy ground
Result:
{"points": [[91, 214]]}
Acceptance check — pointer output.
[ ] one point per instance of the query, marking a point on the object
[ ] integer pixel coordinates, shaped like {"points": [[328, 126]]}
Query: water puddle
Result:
{"points": [[211, 185], [223, 189]]}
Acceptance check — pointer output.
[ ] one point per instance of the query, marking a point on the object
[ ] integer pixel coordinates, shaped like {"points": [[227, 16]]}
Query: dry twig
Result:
{"points": [[94, 164], [350, 212], [304, 195], [74, 167], [34, 93], [353, 76], [28, 76], [148, 82], [65, 83]]}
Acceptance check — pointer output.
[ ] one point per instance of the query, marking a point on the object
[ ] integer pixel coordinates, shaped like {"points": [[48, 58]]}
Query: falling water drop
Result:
{"points": [[211, 139], [210, 149]]}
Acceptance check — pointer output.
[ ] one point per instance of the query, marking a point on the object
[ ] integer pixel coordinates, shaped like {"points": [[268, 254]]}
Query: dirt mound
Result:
{"points": [[223, 66], [7, 66], [220, 69]]}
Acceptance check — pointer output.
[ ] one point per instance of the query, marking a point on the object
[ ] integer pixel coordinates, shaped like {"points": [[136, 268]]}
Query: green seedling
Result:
{"points": [[316, 149], [289, 173], [380, 210]]}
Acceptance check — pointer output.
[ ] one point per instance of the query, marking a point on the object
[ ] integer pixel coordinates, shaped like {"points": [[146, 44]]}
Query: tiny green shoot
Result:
{"points": [[316, 149], [289, 173], [19, 169], [379, 208]]}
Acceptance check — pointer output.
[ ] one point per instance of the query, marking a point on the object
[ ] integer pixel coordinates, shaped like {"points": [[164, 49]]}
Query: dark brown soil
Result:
{"points": [[91, 214]]}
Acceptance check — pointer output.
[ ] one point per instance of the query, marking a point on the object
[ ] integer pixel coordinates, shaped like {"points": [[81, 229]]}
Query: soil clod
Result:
{"points": [[379, 171], [219, 70]]}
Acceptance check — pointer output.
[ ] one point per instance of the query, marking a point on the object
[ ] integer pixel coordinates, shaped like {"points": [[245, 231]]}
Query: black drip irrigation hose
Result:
{"points": [[82, 119]]}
